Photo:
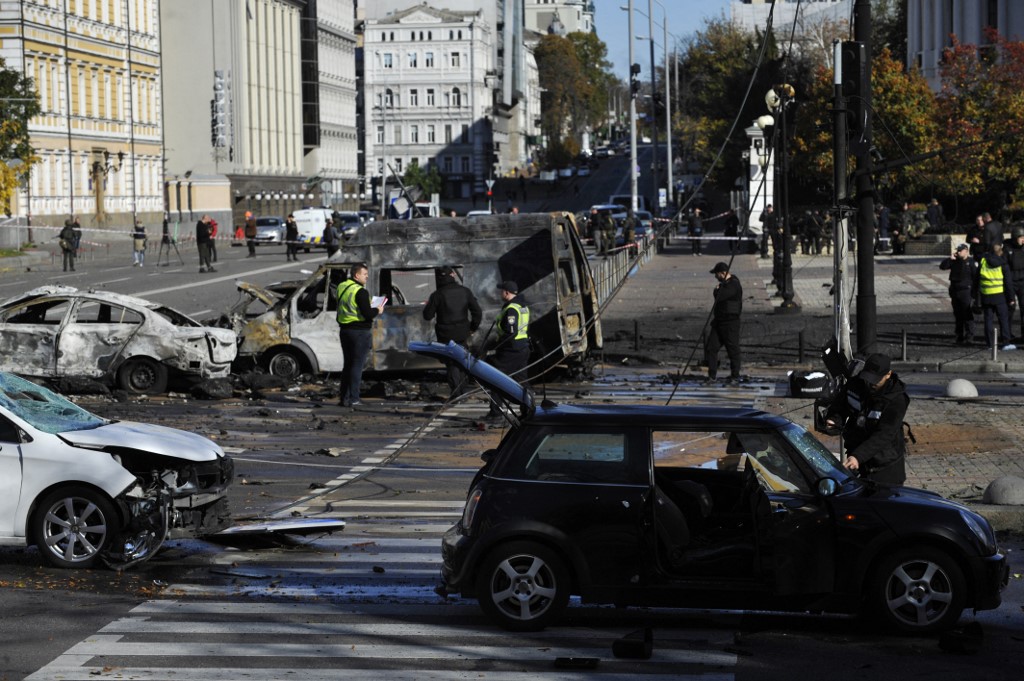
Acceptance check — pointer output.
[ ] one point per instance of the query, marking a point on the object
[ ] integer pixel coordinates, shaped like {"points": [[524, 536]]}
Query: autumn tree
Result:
{"points": [[18, 104], [427, 180]]}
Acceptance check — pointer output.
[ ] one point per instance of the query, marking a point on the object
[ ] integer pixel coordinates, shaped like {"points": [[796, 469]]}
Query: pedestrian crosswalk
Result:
{"points": [[220, 640]]}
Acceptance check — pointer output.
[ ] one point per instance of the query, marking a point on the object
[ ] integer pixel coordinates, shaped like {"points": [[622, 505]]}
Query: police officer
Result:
{"points": [[512, 347], [458, 315], [355, 317], [1015, 259], [607, 223], [996, 295], [963, 273], [870, 409], [725, 323]]}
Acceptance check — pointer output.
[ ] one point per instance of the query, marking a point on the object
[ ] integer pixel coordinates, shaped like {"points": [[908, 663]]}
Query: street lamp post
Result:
{"points": [[654, 109], [779, 99], [632, 116]]}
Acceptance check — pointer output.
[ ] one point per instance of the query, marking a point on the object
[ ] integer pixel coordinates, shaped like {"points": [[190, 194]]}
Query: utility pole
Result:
{"points": [[654, 112], [841, 65], [866, 310], [634, 70], [668, 114]]}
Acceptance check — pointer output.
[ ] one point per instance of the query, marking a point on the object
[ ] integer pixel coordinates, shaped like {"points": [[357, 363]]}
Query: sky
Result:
{"points": [[685, 17]]}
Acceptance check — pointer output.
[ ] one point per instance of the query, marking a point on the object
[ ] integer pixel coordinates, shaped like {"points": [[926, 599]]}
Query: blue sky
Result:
{"points": [[685, 17]]}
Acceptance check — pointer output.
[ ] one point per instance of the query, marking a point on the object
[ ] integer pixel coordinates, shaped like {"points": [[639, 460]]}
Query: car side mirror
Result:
{"points": [[488, 455], [827, 487]]}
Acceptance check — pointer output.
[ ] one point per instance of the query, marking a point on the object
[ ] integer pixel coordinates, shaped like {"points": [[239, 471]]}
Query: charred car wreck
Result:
{"points": [[293, 327], [87, 491], [57, 331]]}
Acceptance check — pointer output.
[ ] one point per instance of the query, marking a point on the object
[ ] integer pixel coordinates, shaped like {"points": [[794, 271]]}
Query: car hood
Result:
{"points": [[483, 373], [148, 438]]}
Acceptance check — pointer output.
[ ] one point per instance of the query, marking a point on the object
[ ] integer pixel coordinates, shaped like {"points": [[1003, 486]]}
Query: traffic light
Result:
{"points": [[855, 85], [634, 80]]}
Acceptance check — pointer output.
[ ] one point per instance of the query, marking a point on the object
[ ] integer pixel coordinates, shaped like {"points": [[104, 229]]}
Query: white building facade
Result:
{"points": [[428, 87], [559, 16]]}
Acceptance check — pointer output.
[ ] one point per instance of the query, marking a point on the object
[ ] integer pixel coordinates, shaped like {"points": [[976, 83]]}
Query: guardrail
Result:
{"points": [[610, 270]]}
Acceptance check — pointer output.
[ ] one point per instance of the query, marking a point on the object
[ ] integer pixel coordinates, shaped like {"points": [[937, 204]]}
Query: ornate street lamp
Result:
{"points": [[779, 99]]}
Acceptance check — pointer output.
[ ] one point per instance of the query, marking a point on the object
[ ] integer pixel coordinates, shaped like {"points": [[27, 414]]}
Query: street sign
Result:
{"points": [[490, 184], [662, 197]]}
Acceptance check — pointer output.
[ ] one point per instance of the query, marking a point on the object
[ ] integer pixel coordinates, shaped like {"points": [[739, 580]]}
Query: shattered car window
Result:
{"points": [[37, 312], [92, 312], [175, 317], [42, 408]]}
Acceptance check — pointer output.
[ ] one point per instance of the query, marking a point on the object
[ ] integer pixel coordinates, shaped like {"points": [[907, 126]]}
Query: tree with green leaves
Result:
{"points": [[427, 180], [18, 104]]}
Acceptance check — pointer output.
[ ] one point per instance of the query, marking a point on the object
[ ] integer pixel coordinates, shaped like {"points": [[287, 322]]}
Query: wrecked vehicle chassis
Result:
{"points": [[298, 331]]}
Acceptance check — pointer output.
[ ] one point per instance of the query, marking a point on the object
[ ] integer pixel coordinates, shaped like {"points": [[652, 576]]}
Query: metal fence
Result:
{"points": [[611, 270]]}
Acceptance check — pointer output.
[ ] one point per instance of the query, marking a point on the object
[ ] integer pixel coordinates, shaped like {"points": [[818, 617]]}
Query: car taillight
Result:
{"points": [[470, 510]]}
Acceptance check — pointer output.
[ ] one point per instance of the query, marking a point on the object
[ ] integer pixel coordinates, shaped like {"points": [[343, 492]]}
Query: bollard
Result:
{"points": [[660, 246], [800, 347], [904, 356], [636, 334]]}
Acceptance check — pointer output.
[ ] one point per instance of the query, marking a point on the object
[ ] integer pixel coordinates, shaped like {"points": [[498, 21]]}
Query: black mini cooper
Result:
{"points": [[706, 507]]}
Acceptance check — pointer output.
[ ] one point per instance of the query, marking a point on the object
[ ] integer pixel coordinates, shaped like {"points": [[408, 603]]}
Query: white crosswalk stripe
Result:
{"points": [[182, 640]]}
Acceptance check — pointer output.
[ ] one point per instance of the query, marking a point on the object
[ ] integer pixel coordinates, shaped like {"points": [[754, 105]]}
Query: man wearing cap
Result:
{"points": [[725, 323], [870, 408], [512, 347], [963, 273], [1015, 259], [250, 234], [458, 315]]}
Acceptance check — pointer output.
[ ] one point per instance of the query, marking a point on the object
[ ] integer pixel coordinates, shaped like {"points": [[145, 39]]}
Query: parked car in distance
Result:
{"points": [[583, 171], [311, 223], [269, 230], [604, 152], [478, 213], [89, 492], [350, 224], [57, 331], [699, 507], [566, 172]]}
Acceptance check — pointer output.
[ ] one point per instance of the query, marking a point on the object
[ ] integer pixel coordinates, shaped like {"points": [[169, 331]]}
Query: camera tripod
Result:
{"points": [[166, 243]]}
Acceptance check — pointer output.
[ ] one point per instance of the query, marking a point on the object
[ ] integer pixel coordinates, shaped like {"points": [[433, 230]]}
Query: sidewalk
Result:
{"points": [[962, 444]]}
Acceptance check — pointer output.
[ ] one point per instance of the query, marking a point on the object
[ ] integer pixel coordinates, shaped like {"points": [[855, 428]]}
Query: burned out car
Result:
{"points": [[87, 491], [700, 507], [57, 331], [293, 328]]}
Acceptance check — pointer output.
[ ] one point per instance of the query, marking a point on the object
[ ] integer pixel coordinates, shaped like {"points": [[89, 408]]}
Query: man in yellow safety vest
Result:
{"points": [[355, 317], [994, 285]]}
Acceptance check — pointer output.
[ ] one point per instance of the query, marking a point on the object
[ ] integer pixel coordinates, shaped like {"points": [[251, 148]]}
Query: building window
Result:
{"points": [[380, 134], [398, 165], [389, 99], [428, 60], [414, 134], [447, 133], [464, 161], [388, 60], [431, 138], [465, 134], [447, 164], [412, 60], [455, 60], [456, 97], [430, 96], [396, 132], [414, 97]]}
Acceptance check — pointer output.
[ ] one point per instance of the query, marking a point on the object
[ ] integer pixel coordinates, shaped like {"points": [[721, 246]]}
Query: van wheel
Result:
{"points": [[523, 586], [285, 364], [918, 590]]}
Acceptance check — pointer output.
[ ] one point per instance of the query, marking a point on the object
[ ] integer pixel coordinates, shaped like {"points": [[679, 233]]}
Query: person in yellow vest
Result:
{"points": [[996, 290], [355, 317], [512, 347]]}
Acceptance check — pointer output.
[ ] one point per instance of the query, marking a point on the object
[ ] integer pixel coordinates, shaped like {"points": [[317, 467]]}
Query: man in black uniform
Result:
{"points": [[769, 223], [963, 273], [870, 409], [458, 315], [1015, 259], [725, 323]]}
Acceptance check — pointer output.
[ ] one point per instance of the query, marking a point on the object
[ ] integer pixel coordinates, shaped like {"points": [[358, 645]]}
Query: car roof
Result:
{"points": [[654, 415], [606, 206], [58, 290]]}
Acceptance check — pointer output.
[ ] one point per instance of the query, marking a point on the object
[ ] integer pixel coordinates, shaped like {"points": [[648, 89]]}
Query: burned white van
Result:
{"points": [[294, 329]]}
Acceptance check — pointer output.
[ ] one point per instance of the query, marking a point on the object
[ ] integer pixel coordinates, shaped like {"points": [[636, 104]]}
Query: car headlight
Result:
{"points": [[981, 529], [470, 511]]}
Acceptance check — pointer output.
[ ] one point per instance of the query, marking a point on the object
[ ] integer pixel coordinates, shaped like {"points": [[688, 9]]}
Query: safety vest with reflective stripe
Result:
{"points": [[348, 310], [990, 279], [524, 321]]}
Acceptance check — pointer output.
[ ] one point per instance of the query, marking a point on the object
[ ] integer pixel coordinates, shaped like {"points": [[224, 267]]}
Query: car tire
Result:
{"points": [[918, 590], [523, 586], [72, 527], [142, 376], [285, 364]]}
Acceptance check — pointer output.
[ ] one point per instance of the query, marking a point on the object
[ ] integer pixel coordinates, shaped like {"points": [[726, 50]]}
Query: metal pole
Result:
{"points": [[786, 98], [632, 117], [839, 196], [866, 308], [668, 112], [654, 111]]}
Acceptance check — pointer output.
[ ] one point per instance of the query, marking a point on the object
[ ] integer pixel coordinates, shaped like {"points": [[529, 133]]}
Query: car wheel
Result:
{"points": [[285, 364], [523, 586], [143, 376], [73, 526], [918, 590]]}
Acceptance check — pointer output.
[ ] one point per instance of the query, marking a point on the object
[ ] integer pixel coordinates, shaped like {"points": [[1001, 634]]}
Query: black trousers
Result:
{"points": [[725, 333], [963, 314]]}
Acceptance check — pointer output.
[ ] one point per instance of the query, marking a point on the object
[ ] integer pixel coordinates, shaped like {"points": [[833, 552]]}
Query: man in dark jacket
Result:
{"points": [[458, 315], [695, 230], [291, 239], [994, 285], [725, 323], [993, 231], [963, 273], [512, 327], [769, 224], [203, 244], [250, 234], [870, 409], [1015, 260]]}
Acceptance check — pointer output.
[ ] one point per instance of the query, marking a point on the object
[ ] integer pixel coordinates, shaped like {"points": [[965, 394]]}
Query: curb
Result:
{"points": [[1002, 518]]}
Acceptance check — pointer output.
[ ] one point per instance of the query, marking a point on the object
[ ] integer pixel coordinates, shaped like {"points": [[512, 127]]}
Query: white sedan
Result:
{"points": [[87, 491]]}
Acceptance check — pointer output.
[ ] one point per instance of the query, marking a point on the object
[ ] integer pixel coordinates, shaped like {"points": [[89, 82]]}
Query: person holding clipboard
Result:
{"points": [[356, 313]]}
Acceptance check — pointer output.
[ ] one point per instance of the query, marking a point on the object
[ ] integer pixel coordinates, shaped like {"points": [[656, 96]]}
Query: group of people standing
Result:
{"points": [[70, 240], [457, 315], [987, 273]]}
